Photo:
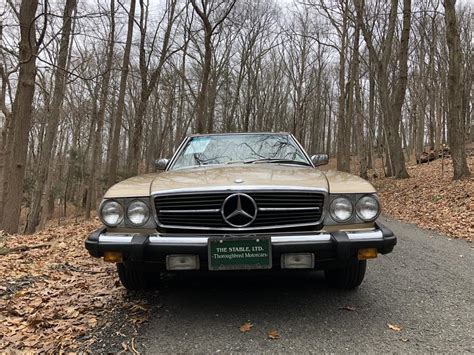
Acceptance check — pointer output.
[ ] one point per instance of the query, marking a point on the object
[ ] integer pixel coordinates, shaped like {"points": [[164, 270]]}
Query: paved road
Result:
{"points": [[426, 286]]}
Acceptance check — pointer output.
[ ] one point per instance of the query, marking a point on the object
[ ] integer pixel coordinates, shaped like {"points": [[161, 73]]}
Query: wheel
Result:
{"points": [[348, 277], [134, 279]]}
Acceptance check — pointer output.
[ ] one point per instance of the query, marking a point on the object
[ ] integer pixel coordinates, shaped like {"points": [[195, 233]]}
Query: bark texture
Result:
{"points": [[456, 133]]}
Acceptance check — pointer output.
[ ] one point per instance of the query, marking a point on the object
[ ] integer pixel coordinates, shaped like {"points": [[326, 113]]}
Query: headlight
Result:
{"points": [[341, 209], [368, 208], [138, 213], [111, 213]]}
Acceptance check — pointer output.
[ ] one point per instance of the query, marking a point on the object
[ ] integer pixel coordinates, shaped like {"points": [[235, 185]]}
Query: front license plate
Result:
{"points": [[239, 253]]}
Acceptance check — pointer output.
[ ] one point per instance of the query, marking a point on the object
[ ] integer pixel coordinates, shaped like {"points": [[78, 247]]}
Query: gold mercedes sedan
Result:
{"points": [[240, 201]]}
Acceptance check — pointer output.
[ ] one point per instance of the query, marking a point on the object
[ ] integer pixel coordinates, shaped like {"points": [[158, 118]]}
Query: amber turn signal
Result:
{"points": [[364, 254], [113, 257]]}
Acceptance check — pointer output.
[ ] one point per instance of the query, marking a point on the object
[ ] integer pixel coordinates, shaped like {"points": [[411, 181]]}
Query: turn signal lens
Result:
{"points": [[364, 254], [113, 257]]}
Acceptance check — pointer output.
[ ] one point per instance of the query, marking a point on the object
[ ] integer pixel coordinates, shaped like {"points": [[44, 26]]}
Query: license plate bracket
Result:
{"points": [[239, 253]]}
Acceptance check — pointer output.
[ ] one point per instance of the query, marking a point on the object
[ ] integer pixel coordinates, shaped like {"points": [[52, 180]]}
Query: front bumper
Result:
{"points": [[330, 249]]}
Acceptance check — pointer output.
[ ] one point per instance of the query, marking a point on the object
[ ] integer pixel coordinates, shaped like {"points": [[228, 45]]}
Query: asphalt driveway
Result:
{"points": [[425, 287]]}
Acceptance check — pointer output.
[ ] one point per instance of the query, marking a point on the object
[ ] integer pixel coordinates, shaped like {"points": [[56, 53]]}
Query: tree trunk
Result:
{"points": [[456, 134], [95, 166], [147, 87], [17, 138], [391, 102], [114, 149], [343, 153], [47, 150]]}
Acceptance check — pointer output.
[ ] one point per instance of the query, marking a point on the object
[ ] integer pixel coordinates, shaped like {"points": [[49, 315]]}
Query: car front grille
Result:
{"points": [[275, 210]]}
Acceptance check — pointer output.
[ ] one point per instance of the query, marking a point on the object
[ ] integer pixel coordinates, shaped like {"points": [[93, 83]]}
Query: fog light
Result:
{"points": [[182, 262], [297, 261], [113, 257], [364, 254]]}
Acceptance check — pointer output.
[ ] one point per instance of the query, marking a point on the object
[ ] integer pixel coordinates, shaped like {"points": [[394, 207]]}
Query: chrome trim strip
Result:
{"points": [[115, 238], [373, 235], [210, 210], [303, 150], [157, 239], [175, 155], [231, 188], [263, 209]]}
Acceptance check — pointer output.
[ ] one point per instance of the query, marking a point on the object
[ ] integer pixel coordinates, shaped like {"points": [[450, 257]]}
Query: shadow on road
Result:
{"points": [[208, 291]]}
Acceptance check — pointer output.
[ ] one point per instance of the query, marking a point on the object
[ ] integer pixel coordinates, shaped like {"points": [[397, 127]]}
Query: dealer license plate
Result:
{"points": [[239, 253]]}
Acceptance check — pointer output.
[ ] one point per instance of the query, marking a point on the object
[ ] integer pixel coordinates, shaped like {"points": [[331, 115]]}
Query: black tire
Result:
{"points": [[134, 279], [348, 277]]}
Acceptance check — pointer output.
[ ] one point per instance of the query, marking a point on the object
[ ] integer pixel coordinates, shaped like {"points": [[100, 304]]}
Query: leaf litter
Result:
{"points": [[52, 296], [431, 199]]}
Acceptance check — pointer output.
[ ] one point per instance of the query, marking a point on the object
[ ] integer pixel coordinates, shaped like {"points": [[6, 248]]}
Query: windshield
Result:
{"points": [[239, 148]]}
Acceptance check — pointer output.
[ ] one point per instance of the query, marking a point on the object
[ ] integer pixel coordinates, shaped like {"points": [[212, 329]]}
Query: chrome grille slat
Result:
{"points": [[276, 209]]}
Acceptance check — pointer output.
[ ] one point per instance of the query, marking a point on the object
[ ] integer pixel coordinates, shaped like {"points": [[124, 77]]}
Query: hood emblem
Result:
{"points": [[238, 181], [239, 210]]}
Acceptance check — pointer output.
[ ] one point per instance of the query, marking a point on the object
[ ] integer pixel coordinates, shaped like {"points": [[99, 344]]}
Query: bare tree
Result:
{"points": [[94, 182], [391, 101], [148, 84], [205, 12], [117, 125], [53, 119], [19, 127], [455, 126]]}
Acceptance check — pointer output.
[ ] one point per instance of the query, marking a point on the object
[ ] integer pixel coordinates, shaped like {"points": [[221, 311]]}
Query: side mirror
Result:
{"points": [[161, 164], [320, 159]]}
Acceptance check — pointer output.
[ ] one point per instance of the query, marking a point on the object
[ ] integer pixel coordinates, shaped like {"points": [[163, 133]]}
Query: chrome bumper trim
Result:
{"points": [[157, 239]]}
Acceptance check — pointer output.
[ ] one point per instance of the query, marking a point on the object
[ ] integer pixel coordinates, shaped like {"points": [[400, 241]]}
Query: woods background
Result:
{"points": [[93, 91]]}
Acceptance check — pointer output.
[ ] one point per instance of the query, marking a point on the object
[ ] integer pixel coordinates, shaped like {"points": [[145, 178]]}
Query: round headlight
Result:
{"points": [[138, 213], [111, 213], [368, 208], [341, 209]]}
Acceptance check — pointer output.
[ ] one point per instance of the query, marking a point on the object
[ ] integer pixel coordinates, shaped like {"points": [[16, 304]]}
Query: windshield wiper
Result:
{"points": [[276, 161]]}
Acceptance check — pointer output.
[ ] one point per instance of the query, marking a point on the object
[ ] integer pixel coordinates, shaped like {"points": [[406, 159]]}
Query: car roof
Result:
{"points": [[235, 133]]}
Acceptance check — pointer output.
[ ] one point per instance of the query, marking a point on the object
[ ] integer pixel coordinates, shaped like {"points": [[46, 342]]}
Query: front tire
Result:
{"points": [[348, 277], [134, 279]]}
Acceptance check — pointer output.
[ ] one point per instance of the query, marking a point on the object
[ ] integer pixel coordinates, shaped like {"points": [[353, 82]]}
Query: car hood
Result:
{"points": [[240, 177]]}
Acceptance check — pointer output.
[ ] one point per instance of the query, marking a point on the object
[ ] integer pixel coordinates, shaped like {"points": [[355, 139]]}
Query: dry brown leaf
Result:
{"points": [[348, 308], [273, 335], [246, 327], [50, 296], [442, 204], [138, 307], [394, 327]]}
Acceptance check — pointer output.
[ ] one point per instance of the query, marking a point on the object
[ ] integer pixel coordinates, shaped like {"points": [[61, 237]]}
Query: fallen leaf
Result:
{"points": [[348, 308], [138, 308], [273, 335], [138, 320], [394, 327], [404, 339], [92, 322], [246, 327]]}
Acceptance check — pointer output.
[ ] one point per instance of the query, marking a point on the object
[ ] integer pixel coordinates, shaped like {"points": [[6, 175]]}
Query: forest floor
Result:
{"points": [[430, 198], [52, 293]]}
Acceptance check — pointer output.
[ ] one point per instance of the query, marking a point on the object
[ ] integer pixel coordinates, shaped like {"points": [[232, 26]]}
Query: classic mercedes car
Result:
{"points": [[240, 201]]}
